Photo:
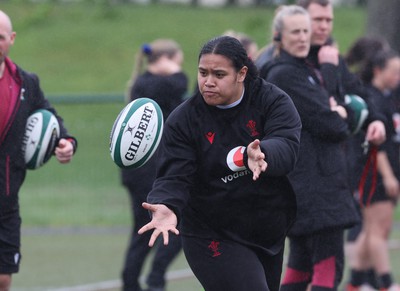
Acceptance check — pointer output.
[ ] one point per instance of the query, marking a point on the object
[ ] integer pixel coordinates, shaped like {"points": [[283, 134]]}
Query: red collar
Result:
{"points": [[12, 68]]}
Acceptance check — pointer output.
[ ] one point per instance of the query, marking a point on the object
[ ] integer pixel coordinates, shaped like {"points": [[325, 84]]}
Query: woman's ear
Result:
{"points": [[242, 74]]}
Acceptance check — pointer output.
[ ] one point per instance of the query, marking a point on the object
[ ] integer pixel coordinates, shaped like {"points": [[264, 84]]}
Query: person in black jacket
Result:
{"points": [[332, 69], [325, 203], [221, 173], [20, 95], [166, 83]]}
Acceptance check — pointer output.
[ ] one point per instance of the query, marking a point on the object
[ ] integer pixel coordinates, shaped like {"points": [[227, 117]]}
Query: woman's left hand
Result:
{"points": [[256, 159]]}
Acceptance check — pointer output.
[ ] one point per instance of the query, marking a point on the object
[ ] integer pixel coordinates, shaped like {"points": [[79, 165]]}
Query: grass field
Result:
{"points": [[60, 259], [77, 47], [84, 49], [76, 217]]}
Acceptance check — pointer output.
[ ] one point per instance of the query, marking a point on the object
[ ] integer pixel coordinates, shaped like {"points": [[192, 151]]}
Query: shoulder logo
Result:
{"points": [[252, 126], [210, 136]]}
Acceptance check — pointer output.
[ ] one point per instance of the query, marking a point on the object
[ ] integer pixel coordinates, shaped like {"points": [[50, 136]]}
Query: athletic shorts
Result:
{"points": [[10, 238], [378, 196]]}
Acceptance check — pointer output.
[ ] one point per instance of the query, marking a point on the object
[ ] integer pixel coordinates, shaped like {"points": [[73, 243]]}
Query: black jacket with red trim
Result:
{"points": [[202, 173], [12, 162]]}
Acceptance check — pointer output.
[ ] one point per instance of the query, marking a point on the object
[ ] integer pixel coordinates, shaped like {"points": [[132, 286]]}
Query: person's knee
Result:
{"points": [[5, 282]]}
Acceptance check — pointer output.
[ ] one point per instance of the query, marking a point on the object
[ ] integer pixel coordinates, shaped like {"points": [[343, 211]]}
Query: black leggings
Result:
{"points": [[228, 265]]}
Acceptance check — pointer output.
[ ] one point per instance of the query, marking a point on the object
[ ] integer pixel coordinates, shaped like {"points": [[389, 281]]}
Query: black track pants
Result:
{"points": [[227, 265]]}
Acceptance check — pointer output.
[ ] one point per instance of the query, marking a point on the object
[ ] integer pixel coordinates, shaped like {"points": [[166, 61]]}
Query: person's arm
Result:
{"points": [[176, 168], [374, 125], [282, 131], [312, 103], [390, 181], [328, 58]]}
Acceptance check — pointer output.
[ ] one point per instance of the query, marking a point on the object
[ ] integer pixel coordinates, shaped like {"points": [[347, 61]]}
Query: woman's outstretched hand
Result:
{"points": [[256, 159], [163, 221]]}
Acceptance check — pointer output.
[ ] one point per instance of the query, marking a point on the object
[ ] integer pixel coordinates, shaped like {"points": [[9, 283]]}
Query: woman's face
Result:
{"points": [[218, 81], [296, 35], [389, 76]]}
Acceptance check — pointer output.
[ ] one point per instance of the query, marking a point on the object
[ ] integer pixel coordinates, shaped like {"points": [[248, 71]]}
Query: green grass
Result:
{"points": [[84, 49], [77, 47], [74, 257], [55, 259], [88, 190]]}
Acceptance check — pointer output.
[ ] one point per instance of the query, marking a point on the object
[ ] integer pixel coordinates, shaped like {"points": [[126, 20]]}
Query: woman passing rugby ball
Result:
{"points": [[221, 173]]}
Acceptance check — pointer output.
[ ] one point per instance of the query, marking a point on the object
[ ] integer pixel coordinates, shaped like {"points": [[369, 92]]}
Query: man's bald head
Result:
{"points": [[7, 37], [5, 22]]}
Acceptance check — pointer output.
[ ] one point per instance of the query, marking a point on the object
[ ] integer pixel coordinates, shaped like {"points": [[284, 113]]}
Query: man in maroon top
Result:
{"points": [[20, 95]]}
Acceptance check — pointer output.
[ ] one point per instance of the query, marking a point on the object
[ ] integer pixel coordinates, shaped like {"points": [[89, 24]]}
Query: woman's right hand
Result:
{"points": [[337, 108], [163, 221]]}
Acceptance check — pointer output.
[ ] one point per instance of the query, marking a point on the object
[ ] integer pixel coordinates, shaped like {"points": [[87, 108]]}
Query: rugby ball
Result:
{"points": [[136, 133], [360, 109], [42, 132]]}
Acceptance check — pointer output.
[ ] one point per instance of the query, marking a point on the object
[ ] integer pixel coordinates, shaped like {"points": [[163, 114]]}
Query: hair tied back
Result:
{"points": [[146, 49]]}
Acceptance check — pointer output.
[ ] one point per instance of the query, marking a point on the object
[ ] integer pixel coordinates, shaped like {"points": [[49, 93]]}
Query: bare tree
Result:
{"points": [[384, 20]]}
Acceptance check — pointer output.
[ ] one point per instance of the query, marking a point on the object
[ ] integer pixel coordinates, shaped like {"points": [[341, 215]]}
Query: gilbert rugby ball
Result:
{"points": [[360, 108], [41, 135], [136, 133]]}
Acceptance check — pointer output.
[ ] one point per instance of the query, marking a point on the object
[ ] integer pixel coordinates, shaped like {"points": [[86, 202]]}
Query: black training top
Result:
{"points": [[202, 175]]}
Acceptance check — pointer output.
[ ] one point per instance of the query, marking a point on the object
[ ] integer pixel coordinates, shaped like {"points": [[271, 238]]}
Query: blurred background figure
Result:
{"points": [[377, 175], [163, 81], [356, 58], [248, 43], [325, 206], [20, 96], [362, 50]]}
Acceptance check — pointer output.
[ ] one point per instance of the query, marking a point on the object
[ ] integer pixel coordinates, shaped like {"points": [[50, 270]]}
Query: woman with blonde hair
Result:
{"points": [[325, 206]]}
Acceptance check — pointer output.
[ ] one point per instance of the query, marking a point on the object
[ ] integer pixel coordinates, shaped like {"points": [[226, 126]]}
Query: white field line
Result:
{"points": [[114, 284], [170, 276]]}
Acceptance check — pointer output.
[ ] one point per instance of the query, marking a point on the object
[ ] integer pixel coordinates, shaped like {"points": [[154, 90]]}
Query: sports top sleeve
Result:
{"points": [[282, 134], [177, 167]]}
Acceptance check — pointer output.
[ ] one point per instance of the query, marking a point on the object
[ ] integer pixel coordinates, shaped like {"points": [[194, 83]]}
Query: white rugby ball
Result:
{"points": [[136, 133], [41, 134]]}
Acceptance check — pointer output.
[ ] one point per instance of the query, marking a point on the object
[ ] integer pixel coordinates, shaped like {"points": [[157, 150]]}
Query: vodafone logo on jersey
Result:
{"points": [[235, 159]]}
